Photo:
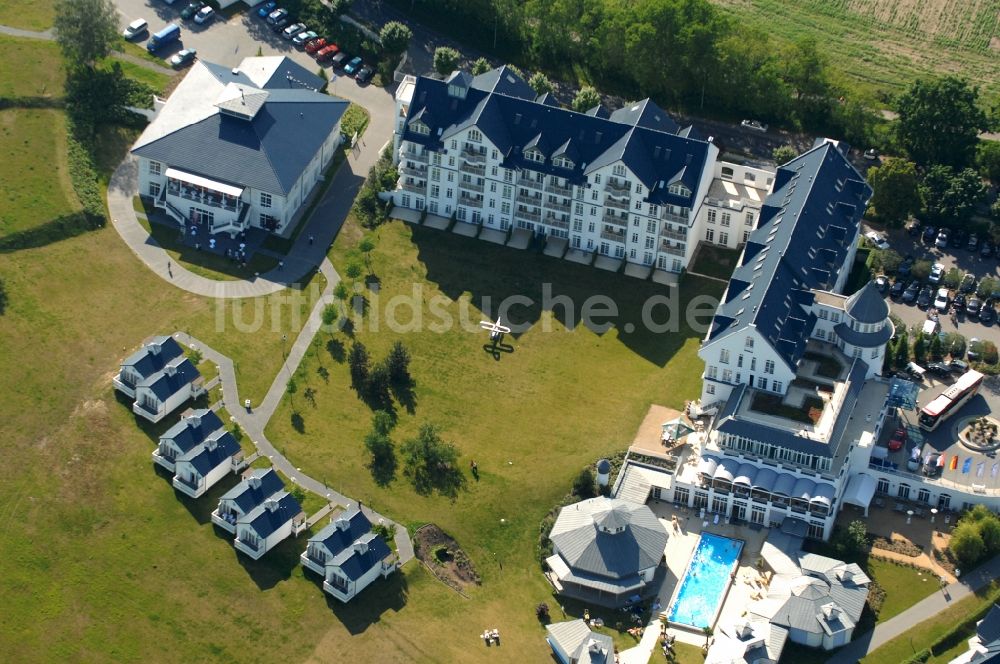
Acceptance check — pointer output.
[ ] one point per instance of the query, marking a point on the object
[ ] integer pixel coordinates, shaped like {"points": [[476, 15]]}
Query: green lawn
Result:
{"points": [[37, 63], [921, 636], [28, 14], [153, 79], [717, 262], [904, 586]]}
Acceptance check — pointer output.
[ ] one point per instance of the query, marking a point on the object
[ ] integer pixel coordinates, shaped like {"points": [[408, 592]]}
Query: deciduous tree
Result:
{"points": [[86, 30], [431, 463], [940, 121], [950, 196], [586, 99], [540, 83], [445, 60], [895, 190], [395, 37], [360, 364]]}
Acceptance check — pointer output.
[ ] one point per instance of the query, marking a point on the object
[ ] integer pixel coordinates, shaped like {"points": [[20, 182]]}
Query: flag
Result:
{"points": [[941, 460], [980, 467], [954, 462], [967, 466], [996, 469]]}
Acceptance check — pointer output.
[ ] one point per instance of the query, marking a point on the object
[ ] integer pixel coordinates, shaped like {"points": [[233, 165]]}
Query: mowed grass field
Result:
{"points": [[882, 45], [28, 14]]}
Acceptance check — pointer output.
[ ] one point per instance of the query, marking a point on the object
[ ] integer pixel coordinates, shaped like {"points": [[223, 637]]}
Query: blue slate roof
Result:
{"points": [[247, 497], [268, 152], [806, 228], [204, 460], [503, 107], [354, 565], [164, 385], [186, 436], [264, 521], [336, 540], [288, 75], [867, 305], [146, 363], [864, 339], [988, 629], [729, 422]]}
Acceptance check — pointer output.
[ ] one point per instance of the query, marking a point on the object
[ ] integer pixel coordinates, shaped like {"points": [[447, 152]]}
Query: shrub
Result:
{"points": [[584, 485], [967, 544], [395, 37], [585, 99], [354, 121], [445, 60], [783, 154], [480, 66], [540, 83]]}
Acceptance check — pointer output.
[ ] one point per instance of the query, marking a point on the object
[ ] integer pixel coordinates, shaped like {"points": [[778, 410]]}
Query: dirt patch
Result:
{"points": [[444, 558]]}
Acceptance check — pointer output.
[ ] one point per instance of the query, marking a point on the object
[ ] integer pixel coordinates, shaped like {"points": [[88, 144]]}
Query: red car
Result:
{"points": [[898, 440], [327, 52], [315, 45]]}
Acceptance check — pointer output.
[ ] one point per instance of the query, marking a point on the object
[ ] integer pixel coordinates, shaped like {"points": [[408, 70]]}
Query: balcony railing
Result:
{"points": [[474, 156], [676, 218], [611, 218], [529, 200], [250, 543], [412, 186], [414, 155], [470, 201], [556, 223], [673, 235], [528, 216], [413, 168], [526, 182], [614, 203], [472, 169], [666, 248], [220, 201], [471, 186], [559, 207], [617, 188], [614, 237], [554, 188]]}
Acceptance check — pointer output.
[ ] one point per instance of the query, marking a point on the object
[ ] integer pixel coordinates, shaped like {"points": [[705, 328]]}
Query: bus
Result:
{"points": [[951, 400]]}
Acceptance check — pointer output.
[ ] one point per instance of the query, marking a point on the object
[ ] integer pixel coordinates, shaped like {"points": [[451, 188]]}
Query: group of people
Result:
{"points": [[491, 636]]}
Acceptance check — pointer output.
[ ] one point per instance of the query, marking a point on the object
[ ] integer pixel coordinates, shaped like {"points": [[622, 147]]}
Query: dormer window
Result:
{"points": [[679, 189], [532, 154], [418, 127], [475, 136], [562, 162], [619, 169]]}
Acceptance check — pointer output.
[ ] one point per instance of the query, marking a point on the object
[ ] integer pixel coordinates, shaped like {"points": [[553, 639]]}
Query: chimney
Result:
{"points": [[170, 369], [254, 482], [194, 421], [361, 547], [211, 444], [342, 524], [831, 612], [155, 348], [271, 505]]}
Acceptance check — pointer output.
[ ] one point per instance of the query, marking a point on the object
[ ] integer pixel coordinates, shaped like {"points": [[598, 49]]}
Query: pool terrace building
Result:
{"points": [[631, 184]]}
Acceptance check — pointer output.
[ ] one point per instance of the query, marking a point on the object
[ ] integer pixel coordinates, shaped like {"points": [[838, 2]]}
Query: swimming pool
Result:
{"points": [[706, 581]]}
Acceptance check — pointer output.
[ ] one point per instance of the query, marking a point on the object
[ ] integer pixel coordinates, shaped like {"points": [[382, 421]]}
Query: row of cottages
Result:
{"points": [[158, 378], [199, 452], [240, 148], [259, 512], [348, 555], [631, 184]]}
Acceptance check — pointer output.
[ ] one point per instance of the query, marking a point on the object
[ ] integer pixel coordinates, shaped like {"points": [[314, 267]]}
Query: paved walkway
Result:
{"points": [[916, 614], [48, 35], [26, 34]]}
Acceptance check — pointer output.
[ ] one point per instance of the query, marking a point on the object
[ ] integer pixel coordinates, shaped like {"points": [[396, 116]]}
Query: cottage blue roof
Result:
{"points": [[153, 356], [218, 448], [193, 429], [272, 514], [988, 630], [174, 377], [867, 305], [255, 488], [806, 229], [355, 564], [343, 531], [503, 107]]}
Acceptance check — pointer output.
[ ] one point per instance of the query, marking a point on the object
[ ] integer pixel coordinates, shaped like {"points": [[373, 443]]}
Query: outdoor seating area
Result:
{"points": [[491, 637]]}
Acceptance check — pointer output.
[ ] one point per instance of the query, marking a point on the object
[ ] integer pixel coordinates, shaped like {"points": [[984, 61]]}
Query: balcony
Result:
{"points": [[528, 216], [526, 182], [614, 203], [673, 235], [556, 223], [612, 218], [410, 185], [554, 188], [529, 200], [471, 155], [558, 207], [618, 188], [204, 196], [472, 169], [471, 186], [413, 155], [413, 168], [676, 218], [470, 201], [614, 237], [666, 248]]}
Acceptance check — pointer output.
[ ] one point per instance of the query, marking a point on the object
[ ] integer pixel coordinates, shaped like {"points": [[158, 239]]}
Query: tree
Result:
{"points": [[353, 270], [707, 631], [86, 30], [583, 485], [383, 422], [341, 291], [783, 154], [432, 463], [585, 99], [902, 350], [398, 364], [921, 270], [936, 348], [366, 246], [381, 450], [540, 83], [954, 344], [988, 160], [99, 96], [480, 66], [949, 196], [966, 544], [330, 314], [952, 278], [3, 298], [377, 387], [895, 194], [989, 531], [360, 365], [885, 260], [919, 349], [395, 37], [445, 60], [940, 121]]}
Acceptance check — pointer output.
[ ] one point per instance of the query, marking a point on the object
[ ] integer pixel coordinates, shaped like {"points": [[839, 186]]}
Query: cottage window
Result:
{"points": [[154, 168], [265, 200]]}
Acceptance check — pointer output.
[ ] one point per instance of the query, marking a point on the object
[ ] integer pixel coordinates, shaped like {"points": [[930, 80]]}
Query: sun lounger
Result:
{"points": [[715, 521]]}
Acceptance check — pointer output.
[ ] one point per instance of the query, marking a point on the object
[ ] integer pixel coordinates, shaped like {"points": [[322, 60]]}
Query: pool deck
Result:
{"points": [[680, 547]]}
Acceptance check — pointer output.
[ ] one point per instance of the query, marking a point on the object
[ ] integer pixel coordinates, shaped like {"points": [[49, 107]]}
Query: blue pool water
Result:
{"points": [[706, 581]]}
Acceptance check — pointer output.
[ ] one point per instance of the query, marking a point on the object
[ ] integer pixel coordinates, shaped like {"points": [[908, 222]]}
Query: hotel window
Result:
{"points": [[265, 200], [505, 208], [619, 169], [748, 219], [776, 386], [578, 225], [651, 226], [903, 492], [821, 334], [726, 218], [654, 210], [650, 242], [712, 372], [449, 193], [923, 496], [835, 316], [748, 343], [823, 314], [451, 176], [154, 168], [710, 389], [769, 366], [475, 136], [723, 238], [710, 235], [578, 208], [746, 236], [724, 356], [635, 237], [154, 189], [711, 216], [454, 144], [493, 187], [508, 175], [874, 353], [436, 158], [761, 383], [638, 205], [493, 171], [739, 361], [727, 375]]}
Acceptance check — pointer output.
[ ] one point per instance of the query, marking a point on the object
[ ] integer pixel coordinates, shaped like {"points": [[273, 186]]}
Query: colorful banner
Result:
{"points": [[980, 468], [967, 466], [941, 460], [954, 462]]}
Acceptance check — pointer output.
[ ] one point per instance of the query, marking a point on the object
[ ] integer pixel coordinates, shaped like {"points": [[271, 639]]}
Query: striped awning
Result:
{"points": [[824, 494], [765, 479], [804, 489], [726, 470], [707, 466], [784, 484], [745, 474]]}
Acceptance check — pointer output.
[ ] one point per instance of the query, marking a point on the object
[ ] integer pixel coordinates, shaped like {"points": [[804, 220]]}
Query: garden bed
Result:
{"points": [[900, 546], [444, 558]]}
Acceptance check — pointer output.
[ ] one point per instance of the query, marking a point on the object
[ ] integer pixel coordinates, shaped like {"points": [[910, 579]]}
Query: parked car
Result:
{"points": [[365, 75], [942, 300], [968, 284], [959, 301], [931, 467], [266, 9], [958, 366], [135, 28], [877, 240], [973, 307], [353, 66], [905, 266], [315, 45], [929, 234], [911, 292], [942, 239], [988, 313], [167, 35], [183, 58], [973, 243], [871, 154], [755, 125], [278, 15], [204, 15], [327, 52], [898, 440], [925, 297], [914, 229], [974, 349], [192, 9], [340, 58], [897, 289], [939, 369], [303, 38], [292, 30], [986, 249], [937, 273], [958, 239]]}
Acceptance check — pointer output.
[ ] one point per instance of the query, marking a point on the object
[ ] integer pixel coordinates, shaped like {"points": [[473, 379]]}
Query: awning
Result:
{"points": [[726, 470], [824, 494], [707, 466], [764, 479], [784, 484], [745, 474], [860, 490], [199, 181], [804, 489]]}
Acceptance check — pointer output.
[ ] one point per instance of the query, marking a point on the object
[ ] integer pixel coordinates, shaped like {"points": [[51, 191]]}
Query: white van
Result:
{"points": [[135, 28]]}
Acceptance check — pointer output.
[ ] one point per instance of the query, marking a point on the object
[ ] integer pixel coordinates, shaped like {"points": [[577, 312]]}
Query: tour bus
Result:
{"points": [[167, 35], [951, 400]]}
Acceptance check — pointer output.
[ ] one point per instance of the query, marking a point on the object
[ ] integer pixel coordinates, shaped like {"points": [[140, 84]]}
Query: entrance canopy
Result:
{"points": [[860, 491], [199, 181]]}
